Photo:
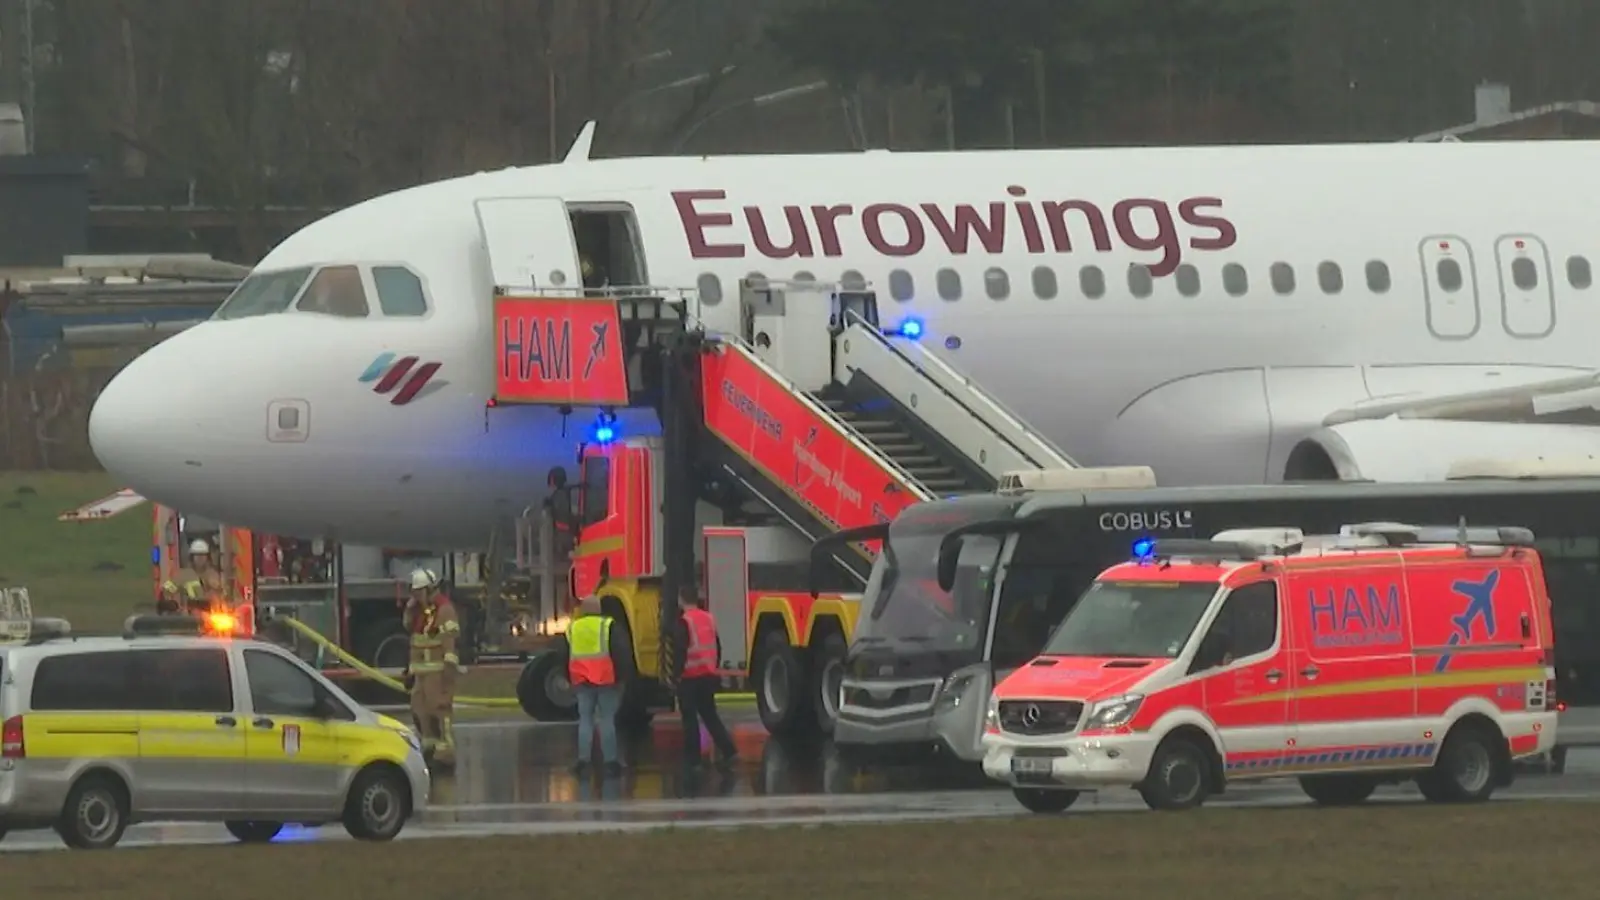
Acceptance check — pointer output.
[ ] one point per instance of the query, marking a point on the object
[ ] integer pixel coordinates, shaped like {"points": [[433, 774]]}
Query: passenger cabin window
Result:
{"points": [[1235, 280], [279, 688], [1043, 581], [948, 284], [1188, 278], [85, 681], [399, 291], [1449, 273], [1140, 282], [1092, 281], [709, 287], [1378, 276], [1524, 274], [852, 280], [901, 286], [264, 294], [194, 680], [996, 283], [1247, 624], [1579, 274], [336, 291], [1330, 277], [1044, 283], [1282, 277]]}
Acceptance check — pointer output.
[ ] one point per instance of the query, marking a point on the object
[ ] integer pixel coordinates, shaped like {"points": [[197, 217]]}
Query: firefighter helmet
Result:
{"points": [[423, 578], [199, 546]]}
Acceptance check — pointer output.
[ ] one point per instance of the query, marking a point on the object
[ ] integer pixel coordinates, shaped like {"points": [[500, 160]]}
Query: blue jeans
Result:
{"points": [[597, 708]]}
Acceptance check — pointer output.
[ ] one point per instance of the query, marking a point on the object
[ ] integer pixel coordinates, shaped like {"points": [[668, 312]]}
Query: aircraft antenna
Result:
{"points": [[581, 145], [1461, 536]]}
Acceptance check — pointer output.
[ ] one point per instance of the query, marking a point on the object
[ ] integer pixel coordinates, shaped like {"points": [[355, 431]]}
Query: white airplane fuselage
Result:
{"points": [[1207, 385]]}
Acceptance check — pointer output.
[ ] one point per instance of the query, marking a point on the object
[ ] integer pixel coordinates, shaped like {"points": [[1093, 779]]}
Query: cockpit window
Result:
{"points": [[336, 291], [399, 291], [263, 294]]}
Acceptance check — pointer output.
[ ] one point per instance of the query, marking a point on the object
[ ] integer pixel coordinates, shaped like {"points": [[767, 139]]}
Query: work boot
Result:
{"points": [[613, 768], [580, 767], [727, 763]]}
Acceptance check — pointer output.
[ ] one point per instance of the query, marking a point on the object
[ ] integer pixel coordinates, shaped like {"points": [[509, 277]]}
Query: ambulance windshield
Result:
{"points": [[1142, 619], [909, 608]]}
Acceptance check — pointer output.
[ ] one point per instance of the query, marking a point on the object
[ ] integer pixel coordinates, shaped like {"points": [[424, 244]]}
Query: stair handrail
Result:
{"points": [[856, 438], [1000, 409]]}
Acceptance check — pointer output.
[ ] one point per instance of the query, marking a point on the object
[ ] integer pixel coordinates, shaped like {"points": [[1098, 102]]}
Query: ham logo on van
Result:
{"points": [[1353, 620], [1480, 606]]}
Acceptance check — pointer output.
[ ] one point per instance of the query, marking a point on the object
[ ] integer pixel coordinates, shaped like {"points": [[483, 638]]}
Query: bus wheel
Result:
{"points": [[781, 686], [828, 674], [543, 691]]}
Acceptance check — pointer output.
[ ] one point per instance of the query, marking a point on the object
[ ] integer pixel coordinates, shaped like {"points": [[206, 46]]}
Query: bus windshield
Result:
{"points": [[1139, 619], [909, 608]]}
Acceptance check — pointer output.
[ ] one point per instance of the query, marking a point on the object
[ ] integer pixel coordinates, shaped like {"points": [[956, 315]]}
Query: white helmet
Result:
{"points": [[422, 578], [199, 546]]}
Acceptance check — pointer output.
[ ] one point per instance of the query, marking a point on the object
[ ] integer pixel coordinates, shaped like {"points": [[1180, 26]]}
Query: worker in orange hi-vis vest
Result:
{"points": [[696, 651], [430, 618]]}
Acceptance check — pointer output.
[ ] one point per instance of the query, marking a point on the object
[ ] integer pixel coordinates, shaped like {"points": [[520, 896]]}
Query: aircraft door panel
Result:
{"points": [[1527, 292], [529, 243], [1450, 287]]}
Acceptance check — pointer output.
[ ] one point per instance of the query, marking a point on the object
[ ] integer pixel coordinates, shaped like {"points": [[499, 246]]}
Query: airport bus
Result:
{"points": [[924, 659]]}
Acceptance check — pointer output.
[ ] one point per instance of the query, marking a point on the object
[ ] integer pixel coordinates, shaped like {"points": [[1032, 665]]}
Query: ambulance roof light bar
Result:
{"points": [[1081, 479], [1398, 535], [211, 624], [1192, 548]]}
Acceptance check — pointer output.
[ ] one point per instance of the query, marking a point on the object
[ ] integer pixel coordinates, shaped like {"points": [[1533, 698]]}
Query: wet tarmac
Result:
{"points": [[513, 777]]}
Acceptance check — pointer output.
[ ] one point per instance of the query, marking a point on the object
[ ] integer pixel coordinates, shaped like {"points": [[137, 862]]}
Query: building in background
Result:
{"points": [[1495, 121]]}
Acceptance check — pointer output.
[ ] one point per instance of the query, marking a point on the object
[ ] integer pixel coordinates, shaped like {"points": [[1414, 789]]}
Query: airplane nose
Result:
{"points": [[144, 417]]}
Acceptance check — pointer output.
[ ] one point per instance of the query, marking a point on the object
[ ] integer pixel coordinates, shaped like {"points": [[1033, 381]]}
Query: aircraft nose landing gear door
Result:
{"points": [[529, 243]]}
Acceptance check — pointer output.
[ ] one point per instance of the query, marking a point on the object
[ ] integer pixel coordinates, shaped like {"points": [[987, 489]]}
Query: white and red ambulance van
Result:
{"points": [[1382, 654]]}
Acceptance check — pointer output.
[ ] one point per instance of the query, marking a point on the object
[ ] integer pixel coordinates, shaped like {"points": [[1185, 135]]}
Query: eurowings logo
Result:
{"points": [[389, 373]]}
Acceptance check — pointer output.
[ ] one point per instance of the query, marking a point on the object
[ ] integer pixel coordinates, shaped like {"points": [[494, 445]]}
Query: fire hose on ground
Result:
{"points": [[376, 675]]}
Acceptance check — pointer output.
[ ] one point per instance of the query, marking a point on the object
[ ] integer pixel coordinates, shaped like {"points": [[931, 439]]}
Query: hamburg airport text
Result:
{"points": [[1353, 618]]}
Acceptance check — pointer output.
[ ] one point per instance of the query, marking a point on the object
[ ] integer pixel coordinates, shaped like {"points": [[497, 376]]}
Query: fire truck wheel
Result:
{"points": [[1338, 790], [1044, 800], [781, 687], [384, 644], [827, 668], [543, 691], [1465, 769], [1179, 775]]}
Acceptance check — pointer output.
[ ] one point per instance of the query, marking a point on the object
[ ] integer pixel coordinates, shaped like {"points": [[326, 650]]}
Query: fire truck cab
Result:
{"points": [[786, 642]]}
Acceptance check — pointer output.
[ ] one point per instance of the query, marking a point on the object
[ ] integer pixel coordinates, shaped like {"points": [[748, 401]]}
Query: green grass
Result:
{"points": [[93, 574], [1501, 850]]}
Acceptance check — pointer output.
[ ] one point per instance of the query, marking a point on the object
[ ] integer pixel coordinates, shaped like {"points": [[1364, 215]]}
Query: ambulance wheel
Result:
{"points": [[1465, 769], [1180, 776], [543, 691], [828, 666], [1338, 790], [95, 814], [253, 832], [1044, 800], [781, 686]]}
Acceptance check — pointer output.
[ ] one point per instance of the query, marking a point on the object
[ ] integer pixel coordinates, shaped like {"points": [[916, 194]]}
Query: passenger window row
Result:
{"points": [[1093, 283], [333, 290]]}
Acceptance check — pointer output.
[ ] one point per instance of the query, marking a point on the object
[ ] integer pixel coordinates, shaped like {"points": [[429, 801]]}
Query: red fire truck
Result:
{"points": [[787, 643]]}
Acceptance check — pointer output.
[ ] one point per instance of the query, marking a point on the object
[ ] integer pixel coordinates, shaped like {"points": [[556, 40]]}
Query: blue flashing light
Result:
{"points": [[604, 434], [1144, 548], [911, 328], [155, 555]]}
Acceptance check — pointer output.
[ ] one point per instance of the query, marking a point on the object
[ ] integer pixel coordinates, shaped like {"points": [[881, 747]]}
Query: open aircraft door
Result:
{"points": [[529, 243]]}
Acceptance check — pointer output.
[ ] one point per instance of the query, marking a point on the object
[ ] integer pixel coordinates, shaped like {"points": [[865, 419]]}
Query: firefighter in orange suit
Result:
{"points": [[696, 651], [431, 672]]}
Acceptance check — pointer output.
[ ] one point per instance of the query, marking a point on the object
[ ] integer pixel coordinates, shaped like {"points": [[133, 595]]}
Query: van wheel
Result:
{"points": [[781, 686], [1338, 790], [1464, 771], [1179, 776], [543, 691], [250, 832], [377, 806], [1044, 800], [95, 814], [829, 673]]}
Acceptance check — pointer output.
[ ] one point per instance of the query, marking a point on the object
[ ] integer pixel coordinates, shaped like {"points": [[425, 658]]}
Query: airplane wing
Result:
{"points": [[1434, 436]]}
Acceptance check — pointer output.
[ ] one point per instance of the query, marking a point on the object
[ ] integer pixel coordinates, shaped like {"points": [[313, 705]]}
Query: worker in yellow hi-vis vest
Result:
{"points": [[430, 617]]}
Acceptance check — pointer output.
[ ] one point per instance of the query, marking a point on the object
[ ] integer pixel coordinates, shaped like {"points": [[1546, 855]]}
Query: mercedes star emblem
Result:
{"points": [[1030, 716]]}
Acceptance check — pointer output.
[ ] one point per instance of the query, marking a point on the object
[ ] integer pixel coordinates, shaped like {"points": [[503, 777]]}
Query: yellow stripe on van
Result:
{"points": [[1463, 678]]}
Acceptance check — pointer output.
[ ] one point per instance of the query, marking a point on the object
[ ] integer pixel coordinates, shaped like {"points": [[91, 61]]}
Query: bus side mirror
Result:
{"points": [[949, 556]]}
